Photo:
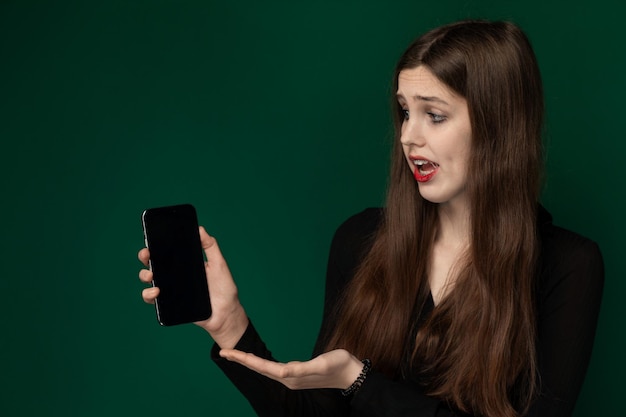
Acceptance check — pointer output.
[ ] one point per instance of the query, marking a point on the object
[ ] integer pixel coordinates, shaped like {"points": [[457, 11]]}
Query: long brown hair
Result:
{"points": [[477, 348]]}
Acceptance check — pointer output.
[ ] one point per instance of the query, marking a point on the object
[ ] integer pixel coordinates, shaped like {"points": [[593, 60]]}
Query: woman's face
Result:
{"points": [[435, 136]]}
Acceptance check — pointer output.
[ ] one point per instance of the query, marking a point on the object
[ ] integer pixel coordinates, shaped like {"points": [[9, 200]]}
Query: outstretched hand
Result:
{"points": [[334, 369]]}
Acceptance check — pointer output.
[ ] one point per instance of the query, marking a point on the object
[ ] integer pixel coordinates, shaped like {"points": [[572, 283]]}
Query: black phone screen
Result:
{"points": [[177, 262]]}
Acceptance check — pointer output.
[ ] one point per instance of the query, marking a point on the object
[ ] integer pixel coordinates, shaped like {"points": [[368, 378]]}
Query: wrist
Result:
{"points": [[352, 372], [230, 331], [363, 370]]}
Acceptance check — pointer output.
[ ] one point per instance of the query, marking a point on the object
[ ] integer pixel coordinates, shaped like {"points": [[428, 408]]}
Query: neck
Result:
{"points": [[450, 245], [454, 225]]}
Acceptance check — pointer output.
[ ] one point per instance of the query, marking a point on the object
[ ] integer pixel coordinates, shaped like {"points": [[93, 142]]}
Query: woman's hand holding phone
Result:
{"points": [[228, 320]]}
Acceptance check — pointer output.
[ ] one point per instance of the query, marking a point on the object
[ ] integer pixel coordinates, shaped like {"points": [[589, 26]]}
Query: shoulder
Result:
{"points": [[568, 260], [353, 238], [360, 226]]}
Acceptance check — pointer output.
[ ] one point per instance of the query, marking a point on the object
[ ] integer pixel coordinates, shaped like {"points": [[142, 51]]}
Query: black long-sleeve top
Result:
{"points": [[569, 292]]}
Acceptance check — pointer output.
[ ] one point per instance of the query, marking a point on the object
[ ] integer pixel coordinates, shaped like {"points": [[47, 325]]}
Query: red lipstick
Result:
{"points": [[423, 178], [425, 169]]}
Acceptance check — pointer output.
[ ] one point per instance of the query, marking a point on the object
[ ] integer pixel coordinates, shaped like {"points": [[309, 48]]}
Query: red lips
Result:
{"points": [[425, 169]]}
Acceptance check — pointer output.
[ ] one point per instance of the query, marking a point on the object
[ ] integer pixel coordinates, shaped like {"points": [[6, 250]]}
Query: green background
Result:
{"points": [[272, 119]]}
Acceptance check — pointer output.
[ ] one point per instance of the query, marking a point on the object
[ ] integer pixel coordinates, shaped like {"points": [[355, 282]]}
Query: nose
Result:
{"points": [[412, 134]]}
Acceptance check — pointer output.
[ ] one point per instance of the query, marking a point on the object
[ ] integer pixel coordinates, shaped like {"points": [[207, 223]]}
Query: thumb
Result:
{"points": [[210, 247]]}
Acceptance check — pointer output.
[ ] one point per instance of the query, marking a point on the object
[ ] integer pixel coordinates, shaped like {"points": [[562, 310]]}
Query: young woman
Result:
{"points": [[460, 297]]}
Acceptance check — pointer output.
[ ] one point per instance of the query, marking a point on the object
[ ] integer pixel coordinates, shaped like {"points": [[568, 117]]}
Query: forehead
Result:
{"points": [[420, 81]]}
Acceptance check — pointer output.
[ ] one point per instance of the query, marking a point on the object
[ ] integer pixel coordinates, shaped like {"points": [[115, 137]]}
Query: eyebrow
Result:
{"points": [[426, 98]]}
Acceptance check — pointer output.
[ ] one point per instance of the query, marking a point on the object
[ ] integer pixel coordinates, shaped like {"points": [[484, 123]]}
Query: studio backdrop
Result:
{"points": [[272, 118]]}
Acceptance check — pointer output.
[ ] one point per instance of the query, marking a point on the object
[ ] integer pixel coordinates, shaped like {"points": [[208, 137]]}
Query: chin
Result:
{"points": [[439, 198]]}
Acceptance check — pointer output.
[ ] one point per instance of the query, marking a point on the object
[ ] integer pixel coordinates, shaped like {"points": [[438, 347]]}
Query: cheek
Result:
{"points": [[458, 149], [466, 151], [464, 161], [405, 151], [408, 163]]}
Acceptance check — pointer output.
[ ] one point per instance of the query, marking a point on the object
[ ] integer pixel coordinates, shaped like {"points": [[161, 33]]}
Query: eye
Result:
{"points": [[436, 118], [405, 114]]}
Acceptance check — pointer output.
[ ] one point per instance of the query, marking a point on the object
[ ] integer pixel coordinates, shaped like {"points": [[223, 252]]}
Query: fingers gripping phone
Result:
{"points": [[177, 263]]}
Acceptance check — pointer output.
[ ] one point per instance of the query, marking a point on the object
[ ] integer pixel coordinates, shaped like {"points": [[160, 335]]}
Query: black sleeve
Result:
{"points": [[270, 398], [569, 297], [379, 395]]}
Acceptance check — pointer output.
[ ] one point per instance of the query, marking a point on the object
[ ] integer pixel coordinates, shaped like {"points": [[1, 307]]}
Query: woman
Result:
{"points": [[460, 297]]}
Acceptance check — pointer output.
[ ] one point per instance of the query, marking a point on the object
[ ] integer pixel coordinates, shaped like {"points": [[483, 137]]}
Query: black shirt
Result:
{"points": [[569, 291]]}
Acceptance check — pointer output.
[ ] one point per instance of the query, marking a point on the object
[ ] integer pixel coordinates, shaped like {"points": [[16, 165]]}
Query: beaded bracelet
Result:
{"points": [[367, 366]]}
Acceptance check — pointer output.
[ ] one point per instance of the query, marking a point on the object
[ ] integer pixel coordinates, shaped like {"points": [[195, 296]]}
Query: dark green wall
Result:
{"points": [[272, 119]]}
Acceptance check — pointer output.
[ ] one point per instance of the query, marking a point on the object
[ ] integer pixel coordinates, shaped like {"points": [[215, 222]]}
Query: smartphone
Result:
{"points": [[177, 262]]}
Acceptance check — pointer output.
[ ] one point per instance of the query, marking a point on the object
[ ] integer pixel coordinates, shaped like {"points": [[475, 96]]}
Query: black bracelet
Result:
{"points": [[367, 366]]}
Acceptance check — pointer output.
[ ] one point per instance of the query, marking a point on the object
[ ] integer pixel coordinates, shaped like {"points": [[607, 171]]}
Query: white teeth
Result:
{"points": [[422, 162]]}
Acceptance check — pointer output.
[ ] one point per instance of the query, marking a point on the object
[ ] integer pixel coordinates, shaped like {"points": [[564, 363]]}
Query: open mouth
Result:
{"points": [[424, 169]]}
